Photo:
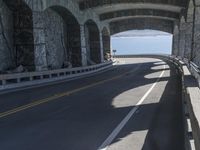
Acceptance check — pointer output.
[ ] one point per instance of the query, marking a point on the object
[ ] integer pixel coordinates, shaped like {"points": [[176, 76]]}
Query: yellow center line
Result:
{"points": [[57, 96]]}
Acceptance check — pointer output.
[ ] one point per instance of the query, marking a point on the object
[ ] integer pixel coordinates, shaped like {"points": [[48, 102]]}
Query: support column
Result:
{"points": [[101, 47], [188, 40], [196, 39], [182, 37], [39, 42], [175, 46], [83, 45], [189, 31]]}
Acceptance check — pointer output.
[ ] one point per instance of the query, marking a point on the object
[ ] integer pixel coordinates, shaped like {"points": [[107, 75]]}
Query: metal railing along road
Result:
{"points": [[15, 80]]}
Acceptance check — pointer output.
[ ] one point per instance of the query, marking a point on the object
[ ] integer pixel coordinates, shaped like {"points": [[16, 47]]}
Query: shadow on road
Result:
{"points": [[83, 120]]}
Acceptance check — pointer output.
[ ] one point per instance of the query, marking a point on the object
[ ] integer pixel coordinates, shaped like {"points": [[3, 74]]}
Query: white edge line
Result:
{"points": [[116, 131]]}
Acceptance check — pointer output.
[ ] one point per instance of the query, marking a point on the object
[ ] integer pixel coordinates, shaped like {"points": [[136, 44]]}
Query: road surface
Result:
{"points": [[135, 105]]}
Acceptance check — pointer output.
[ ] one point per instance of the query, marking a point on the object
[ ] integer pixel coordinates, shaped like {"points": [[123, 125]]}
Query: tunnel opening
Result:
{"points": [[62, 38], [106, 44], [92, 43], [141, 42], [17, 45]]}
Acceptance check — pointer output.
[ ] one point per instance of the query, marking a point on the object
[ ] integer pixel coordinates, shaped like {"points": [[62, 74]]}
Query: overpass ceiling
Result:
{"points": [[140, 24], [139, 13], [120, 12], [102, 6]]}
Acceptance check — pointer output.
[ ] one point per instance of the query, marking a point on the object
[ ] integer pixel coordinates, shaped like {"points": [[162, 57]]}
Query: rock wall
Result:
{"points": [[54, 38], [6, 40]]}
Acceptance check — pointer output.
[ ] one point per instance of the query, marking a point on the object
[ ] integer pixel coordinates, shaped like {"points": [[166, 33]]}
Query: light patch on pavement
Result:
{"points": [[128, 98], [137, 60], [126, 143], [155, 71], [121, 125]]}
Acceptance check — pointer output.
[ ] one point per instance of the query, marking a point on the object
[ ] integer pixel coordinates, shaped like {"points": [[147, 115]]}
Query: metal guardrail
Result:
{"points": [[27, 78], [195, 67]]}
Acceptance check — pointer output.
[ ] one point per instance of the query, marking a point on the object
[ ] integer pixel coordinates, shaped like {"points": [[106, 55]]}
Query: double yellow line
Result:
{"points": [[57, 96]]}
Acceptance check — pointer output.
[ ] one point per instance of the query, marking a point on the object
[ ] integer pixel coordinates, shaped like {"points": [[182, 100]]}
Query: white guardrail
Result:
{"points": [[190, 76], [16, 80]]}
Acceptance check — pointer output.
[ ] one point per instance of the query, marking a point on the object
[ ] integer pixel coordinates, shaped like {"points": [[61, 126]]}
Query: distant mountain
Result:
{"points": [[141, 33]]}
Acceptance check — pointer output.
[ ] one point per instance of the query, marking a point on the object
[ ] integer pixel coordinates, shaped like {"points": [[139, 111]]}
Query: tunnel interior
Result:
{"points": [[62, 34], [93, 43], [17, 32], [106, 44]]}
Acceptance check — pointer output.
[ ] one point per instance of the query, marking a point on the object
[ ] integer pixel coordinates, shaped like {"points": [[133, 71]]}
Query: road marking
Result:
{"points": [[57, 96], [116, 131]]}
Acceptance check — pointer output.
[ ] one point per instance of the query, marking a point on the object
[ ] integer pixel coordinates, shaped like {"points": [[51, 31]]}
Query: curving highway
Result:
{"points": [[136, 105]]}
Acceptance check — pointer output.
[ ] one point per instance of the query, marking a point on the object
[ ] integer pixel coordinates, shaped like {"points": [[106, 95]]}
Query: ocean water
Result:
{"points": [[158, 44]]}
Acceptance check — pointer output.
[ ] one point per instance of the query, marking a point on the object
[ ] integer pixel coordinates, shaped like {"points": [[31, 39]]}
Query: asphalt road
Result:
{"points": [[135, 105]]}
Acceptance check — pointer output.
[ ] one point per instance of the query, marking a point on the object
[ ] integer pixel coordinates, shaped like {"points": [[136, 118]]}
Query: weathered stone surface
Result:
{"points": [[50, 34], [6, 41], [140, 24], [137, 13], [40, 57], [39, 42], [188, 40], [55, 46], [96, 3], [182, 36], [94, 46], [106, 43], [83, 46], [196, 44], [175, 46]]}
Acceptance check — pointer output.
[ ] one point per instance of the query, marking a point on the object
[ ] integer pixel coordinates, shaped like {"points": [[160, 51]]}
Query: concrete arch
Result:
{"points": [[142, 23], [62, 34], [91, 15], [41, 5], [70, 5], [92, 34], [139, 12], [99, 3]]}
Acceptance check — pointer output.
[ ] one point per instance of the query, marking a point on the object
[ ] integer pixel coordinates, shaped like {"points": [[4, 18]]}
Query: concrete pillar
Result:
{"points": [[182, 37], [101, 47], [196, 37], [188, 39], [39, 42], [83, 45], [175, 46], [189, 31]]}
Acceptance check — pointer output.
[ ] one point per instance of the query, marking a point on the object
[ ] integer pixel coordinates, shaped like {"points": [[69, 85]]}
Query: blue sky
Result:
{"points": [[142, 42]]}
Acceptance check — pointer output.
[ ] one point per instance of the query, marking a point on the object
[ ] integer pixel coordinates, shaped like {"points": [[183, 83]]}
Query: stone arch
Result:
{"points": [[92, 42], [62, 34], [69, 5], [140, 24], [18, 36], [106, 43]]}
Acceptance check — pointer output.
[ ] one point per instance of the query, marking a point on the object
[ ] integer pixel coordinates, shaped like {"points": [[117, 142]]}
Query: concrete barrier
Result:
{"points": [[190, 76], [17, 80]]}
